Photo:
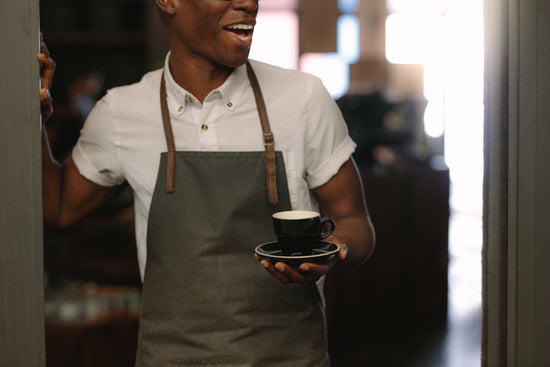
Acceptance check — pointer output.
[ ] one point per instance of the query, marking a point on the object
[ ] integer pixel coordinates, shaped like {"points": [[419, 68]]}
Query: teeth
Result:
{"points": [[240, 26]]}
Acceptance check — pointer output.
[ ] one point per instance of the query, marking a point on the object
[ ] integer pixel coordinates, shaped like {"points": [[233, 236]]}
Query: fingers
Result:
{"points": [[46, 105], [313, 272], [271, 269], [43, 47], [47, 68], [306, 272], [45, 95], [343, 251], [47, 64], [292, 274]]}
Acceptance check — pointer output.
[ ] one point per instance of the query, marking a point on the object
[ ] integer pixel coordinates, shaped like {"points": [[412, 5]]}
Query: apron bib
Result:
{"points": [[206, 301]]}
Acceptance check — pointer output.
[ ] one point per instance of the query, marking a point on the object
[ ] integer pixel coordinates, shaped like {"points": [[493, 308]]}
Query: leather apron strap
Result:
{"points": [[268, 140], [169, 137]]}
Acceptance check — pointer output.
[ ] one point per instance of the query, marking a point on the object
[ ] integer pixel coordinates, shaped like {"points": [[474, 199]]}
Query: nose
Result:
{"points": [[249, 6]]}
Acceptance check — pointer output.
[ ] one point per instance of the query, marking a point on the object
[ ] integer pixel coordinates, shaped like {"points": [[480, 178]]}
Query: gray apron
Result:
{"points": [[206, 301]]}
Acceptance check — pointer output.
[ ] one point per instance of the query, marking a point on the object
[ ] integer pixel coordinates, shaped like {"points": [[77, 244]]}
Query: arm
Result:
{"points": [[67, 195], [342, 199]]}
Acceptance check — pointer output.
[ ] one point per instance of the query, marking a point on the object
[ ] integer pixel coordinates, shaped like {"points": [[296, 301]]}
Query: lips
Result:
{"points": [[240, 30]]}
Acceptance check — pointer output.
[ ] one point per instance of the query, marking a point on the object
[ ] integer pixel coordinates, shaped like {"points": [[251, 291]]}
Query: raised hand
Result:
{"points": [[47, 68]]}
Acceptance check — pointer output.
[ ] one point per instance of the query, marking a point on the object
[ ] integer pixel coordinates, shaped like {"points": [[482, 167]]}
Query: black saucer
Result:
{"points": [[323, 253]]}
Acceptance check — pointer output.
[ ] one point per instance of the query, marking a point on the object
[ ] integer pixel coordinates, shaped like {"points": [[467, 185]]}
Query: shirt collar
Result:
{"points": [[229, 93]]}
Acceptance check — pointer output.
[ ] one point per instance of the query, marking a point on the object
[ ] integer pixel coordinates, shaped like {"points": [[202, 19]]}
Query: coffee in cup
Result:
{"points": [[299, 232]]}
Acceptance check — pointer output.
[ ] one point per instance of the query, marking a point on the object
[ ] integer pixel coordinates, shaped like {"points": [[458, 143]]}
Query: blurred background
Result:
{"points": [[408, 77]]}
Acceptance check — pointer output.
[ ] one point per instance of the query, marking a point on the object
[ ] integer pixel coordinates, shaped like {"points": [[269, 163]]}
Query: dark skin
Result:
{"points": [[341, 198], [208, 39], [204, 48], [47, 69], [67, 196]]}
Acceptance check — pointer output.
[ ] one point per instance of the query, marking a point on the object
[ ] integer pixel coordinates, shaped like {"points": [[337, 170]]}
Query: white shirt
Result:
{"points": [[123, 136]]}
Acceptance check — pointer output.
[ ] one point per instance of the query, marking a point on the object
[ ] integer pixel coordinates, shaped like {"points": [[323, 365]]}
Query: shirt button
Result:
{"points": [[229, 104], [204, 127], [191, 100], [180, 108]]}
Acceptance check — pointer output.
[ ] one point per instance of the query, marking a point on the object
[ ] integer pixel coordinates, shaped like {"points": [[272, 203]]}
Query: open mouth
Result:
{"points": [[240, 30]]}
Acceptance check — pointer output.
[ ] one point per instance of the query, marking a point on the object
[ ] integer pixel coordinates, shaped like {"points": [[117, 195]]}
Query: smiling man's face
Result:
{"points": [[215, 31]]}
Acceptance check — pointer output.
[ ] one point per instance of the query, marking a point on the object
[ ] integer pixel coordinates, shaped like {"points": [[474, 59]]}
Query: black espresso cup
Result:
{"points": [[299, 232]]}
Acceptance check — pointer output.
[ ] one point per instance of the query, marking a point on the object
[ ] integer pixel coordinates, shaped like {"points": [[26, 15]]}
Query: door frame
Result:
{"points": [[516, 300], [21, 255]]}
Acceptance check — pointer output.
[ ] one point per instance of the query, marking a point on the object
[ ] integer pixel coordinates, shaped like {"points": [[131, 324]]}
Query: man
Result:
{"points": [[197, 145]]}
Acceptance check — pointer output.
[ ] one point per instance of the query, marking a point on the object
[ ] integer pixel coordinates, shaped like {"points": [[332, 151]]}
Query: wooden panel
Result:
{"points": [[21, 280], [318, 19], [406, 80], [368, 76], [516, 318], [372, 17], [529, 207], [493, 349], [542, 183]]}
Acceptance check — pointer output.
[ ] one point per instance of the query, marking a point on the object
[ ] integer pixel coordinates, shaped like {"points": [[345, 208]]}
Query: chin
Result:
{"points": [[236, 62], [236, 59]]}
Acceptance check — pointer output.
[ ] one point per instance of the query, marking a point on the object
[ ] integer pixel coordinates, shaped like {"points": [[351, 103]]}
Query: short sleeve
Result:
{"points": [[95, 154], [328, 144]]}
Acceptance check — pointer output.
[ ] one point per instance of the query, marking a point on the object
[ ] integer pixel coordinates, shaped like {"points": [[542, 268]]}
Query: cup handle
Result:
{"points": [[332, 225]]}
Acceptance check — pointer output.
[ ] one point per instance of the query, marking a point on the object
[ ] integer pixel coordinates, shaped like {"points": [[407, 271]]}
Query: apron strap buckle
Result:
{"points": [[268, 139], [270, 168]]}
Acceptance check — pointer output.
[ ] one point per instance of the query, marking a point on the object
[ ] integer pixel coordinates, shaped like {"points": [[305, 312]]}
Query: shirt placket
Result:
{"points": [[206, 125]]}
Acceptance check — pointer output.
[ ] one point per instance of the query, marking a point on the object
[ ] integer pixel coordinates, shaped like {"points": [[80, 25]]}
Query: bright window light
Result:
{"points": [[348, 38], [278, 5], [276, 39], [434, 118], [422, 6], [330, 68], [348, 6], [408, 37]]}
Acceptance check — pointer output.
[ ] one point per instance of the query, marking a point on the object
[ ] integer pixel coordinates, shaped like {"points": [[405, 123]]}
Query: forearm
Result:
{"points": [[51, 184], [358, 236], [67, 195], [343, 200]]}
